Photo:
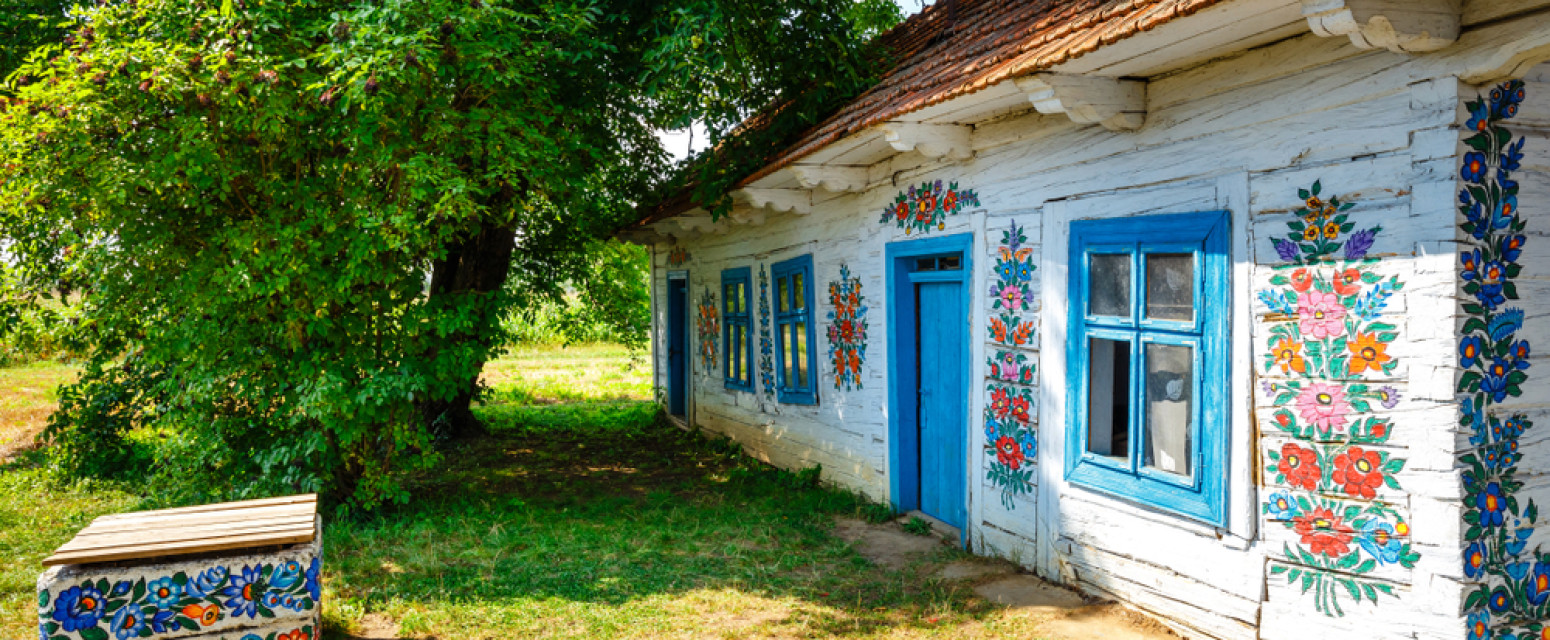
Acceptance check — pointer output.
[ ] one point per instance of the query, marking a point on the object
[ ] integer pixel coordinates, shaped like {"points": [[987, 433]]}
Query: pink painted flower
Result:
{"points": [[1012, 297], [1007, 367], [1320, 315], [1324, 406]]}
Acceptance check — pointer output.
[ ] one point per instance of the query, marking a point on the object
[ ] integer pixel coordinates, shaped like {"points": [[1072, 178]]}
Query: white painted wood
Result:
{"points": [[839, 179], [1402, 26], [931, 140], [1117, 104], [798, 201]]}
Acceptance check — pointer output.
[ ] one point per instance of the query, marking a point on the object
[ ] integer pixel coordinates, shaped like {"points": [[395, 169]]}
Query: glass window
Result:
{"points": [[1149, 408], [794, 352], [736, 327]]}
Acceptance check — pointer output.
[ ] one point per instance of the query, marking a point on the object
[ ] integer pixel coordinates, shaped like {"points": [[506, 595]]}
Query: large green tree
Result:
{"points": [[295, 223]]}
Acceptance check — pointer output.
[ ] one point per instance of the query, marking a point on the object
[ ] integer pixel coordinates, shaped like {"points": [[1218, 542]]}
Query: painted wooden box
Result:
{"points": [[234, 571]]}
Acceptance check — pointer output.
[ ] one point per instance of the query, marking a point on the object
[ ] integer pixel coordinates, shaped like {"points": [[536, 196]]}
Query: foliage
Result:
{"points": [[25, 24], [606, 299], [869, 18], [917, 526], [253, 197]]}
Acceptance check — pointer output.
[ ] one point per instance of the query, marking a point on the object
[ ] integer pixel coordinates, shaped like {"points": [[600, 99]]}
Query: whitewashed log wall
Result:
{"points": [[1242, 133]]}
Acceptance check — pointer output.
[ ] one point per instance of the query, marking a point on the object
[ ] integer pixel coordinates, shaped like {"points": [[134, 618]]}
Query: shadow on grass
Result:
{"points": [[600, 519]]}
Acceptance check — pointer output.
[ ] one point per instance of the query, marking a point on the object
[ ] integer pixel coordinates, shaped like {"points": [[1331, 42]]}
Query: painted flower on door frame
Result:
{"points": [[847, 330], [709, 329], [1510, 597], [927, 207], [1328, 337], [766, 342], [1011, 442]]}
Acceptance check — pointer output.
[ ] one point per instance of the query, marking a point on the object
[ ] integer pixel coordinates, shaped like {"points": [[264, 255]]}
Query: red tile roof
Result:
{"points": [[957, 47]]}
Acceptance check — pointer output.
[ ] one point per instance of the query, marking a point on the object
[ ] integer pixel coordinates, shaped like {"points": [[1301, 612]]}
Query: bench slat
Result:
{"points": [[180, 535], [192, 530]]}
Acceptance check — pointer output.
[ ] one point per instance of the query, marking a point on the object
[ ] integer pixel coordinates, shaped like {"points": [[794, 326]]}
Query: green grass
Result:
{"points": [[582, 515]]}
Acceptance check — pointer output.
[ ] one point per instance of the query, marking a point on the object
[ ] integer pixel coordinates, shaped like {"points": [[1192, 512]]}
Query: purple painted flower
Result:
{"points": [[1357, 246], [1285, 249], [1269, 387], [1389, 396]]}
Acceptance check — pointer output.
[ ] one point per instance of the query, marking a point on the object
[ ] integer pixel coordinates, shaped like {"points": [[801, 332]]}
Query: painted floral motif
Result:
{"points": [[677, 257], [1328, 332], [927, 207], [710, 329], [1512, 596], [1011, 366], [145, 608], [766, 343], [847, 330], [304, 633], [1316, 233], [1010, 439]]}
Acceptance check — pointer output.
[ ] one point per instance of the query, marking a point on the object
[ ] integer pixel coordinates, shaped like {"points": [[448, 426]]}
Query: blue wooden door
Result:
{"points": [[677, 346], [944, 394]]}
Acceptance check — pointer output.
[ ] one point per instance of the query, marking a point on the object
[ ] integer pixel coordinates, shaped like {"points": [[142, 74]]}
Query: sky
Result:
{"points": [[677, 143]]}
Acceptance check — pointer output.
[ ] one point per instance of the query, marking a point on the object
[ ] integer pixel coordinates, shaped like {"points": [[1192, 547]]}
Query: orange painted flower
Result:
{"points": [[1348, 282], [1367, 353], [1311, 233], [295, 635], [1288, 354], [1301, 280], [206, 615], [1331, 230], [1314, 203]]}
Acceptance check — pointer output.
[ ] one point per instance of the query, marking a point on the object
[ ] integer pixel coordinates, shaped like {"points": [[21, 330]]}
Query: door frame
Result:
{"points": [[687, 327], [903, 430]]}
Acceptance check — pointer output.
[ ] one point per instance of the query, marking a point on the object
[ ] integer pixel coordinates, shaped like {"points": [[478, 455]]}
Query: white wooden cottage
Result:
{"points": [[1221, 308]]}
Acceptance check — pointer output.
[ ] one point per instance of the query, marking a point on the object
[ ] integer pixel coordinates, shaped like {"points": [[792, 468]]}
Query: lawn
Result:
{"points": [[582, 515]]}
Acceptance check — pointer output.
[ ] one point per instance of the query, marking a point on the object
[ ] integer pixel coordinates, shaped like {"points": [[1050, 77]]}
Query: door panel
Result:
{"points": [[943, 407], [677, 347]]}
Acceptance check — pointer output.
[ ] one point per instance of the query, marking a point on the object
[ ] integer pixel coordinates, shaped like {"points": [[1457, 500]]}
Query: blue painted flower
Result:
{"points": [[1499, 601], [1474, 212], [121, 588], [251, 637], [1469, 265], [1503, 325], [207, 583], [128, 622], [1495, 380], [1504, 213], [1490, 294], [1513, 427], [1357, 246], [1505, 182], [1006, 270], [1025, 271], [272, 599], [1381, 541], [78, 608], [1475, 419], [1492, 504], [244, 591], [1519, 541], [1538, 588], [1285, 249], [1282, 506], [992, 427], [285, 574], [1470, 349], [162, 592], [1512, 248], [1475, 166], [1512, 156], [290, 602], [1479, 117], [1480, 626], [165, 620], [1474, 560], [314, 579]]}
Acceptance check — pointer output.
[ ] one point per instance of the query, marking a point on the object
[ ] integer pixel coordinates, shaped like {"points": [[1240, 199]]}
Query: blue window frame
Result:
{"points": [[1148, 361], [737, 328], [795, 350]]}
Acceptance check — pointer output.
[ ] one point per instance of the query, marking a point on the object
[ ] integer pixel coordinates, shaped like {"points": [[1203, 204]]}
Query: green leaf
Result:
{"points": [[93, 633]]}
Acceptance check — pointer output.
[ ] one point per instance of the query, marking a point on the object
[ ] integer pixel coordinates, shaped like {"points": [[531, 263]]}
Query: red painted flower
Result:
{"points": [[294, 635], [1301, 280], [1009, 453], [1000, 403], [950, 201], [1323, 532], [1348, 282], [901, 211], [1300, 466], [1020, 409], [1359, 472]]}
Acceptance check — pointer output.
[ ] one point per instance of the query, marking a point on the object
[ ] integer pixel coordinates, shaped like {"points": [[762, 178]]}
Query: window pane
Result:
{"points": [[1108, 399], [727, 303], [951, 263], [742, 297], [783, 294], [798, 292], [785, 350], [742, 352], [799, 354], [1110, 294], [1170, 400], [1170, 286]]}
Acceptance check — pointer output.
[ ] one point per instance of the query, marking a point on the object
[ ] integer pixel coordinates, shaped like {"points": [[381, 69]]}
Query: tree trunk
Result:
{"points": [[476, 267]]}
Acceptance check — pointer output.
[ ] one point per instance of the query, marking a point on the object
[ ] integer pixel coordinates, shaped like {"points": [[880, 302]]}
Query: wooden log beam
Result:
{"points": [[798, 201], [931, 140], [838, 179], [1116, 104], [1402, 26]]}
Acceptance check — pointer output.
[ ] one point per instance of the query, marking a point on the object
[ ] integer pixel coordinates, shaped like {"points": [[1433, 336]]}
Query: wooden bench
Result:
{"points": [[237, 570]]}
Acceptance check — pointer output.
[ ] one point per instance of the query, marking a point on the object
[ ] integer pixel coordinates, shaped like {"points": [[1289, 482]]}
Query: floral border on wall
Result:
{"points": [[847, 330], [766, 343], [1511, 598], [710, 329], [168, 604], [1011, 442], [1328, 334], [927, 207]]}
